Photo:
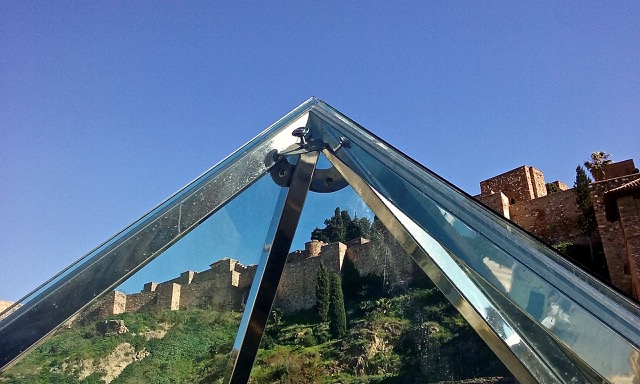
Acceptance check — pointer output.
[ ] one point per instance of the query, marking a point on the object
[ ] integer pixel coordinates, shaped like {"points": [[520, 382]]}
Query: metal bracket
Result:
{"points": [[324, 180]]}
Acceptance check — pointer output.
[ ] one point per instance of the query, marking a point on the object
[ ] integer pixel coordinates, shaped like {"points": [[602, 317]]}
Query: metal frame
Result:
{"points": [[265, 283], [100, 271], [532, 352], [490, 323], [606, 318]]}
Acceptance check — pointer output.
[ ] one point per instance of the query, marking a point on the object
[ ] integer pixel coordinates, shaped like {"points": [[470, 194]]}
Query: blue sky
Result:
{"points": [[107, 108]]}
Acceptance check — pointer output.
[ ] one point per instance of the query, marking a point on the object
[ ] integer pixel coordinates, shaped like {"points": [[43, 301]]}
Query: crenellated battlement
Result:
{"points": [[226, 284]]}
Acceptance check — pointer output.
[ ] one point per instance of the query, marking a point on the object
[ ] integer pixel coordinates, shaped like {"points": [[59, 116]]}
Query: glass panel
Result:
{"points": [[398, 326], [545, 295], [175, 320], [118, 258]]}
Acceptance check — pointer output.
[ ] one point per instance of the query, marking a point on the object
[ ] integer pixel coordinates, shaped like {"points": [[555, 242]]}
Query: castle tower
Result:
{"points": [[168, 296], [113, 304], [520, 184], [314, 247]]}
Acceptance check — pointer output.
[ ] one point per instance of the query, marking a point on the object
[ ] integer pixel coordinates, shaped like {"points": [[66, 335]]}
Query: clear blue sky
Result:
{"points": [[107, 108]]}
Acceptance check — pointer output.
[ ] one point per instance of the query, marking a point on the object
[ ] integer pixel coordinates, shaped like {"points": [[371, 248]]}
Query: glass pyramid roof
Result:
{"points": [[544, 318]]}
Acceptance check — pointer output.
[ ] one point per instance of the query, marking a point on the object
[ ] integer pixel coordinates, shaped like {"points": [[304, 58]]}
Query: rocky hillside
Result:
{"points": [[159, 347], [4, 305], [403, 337]]}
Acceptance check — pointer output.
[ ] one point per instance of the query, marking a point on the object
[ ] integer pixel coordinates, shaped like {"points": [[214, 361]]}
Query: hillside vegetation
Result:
{"points": [[411, 337], [361, 331], [158, 347]]}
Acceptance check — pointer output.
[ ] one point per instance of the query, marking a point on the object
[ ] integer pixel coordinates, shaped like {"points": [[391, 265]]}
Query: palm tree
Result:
{"points": [[596, 164]]}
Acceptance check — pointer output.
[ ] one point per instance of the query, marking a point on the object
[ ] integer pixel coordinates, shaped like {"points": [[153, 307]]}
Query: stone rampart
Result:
{"points": [[619, 169], [629, 219], [139, 301], [297, 287], [553, 218], [383, 258], [497, 201], [522, 183], [114, 303], [227, 283], [168, 296], [611, 233], [332, 256]]}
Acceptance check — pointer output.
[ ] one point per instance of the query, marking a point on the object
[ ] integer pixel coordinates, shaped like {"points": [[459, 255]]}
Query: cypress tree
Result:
{"points": [[337, 314], [322, 293], [351, 281], [587, 217]]}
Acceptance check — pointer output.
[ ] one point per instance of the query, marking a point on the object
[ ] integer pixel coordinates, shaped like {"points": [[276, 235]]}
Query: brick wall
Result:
{"points": [[140, 301], [247, 273], [297, 288], [611, 234], [150, 286], [314, 247], [227, 283], [498, 202], [195, 295], [539, 188], [168, 296], [383, 258], [113, 303], [522, 183], [332, 256], [553, 218], [629, 212], [560, 185], [619, 169]]}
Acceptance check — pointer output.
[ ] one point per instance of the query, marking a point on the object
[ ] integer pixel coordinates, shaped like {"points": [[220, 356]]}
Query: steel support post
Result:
{"points": [[269, 273]]}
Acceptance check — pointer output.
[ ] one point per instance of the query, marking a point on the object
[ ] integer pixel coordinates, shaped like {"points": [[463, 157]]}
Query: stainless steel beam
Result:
{"points": [[265, 283], [600, 333], [399, 231]]}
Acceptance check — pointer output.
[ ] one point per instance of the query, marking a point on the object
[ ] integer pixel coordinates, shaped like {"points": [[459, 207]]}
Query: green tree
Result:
{"points": [[551, 188], [322, 293], [351, 280], [333, 231], [337, 314], [596, 164], [587, 214], [341, 227]]}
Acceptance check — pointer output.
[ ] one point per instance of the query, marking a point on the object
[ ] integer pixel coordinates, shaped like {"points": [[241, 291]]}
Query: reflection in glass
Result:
{"points": [[549, 303], [352, 304], [399, 327], [173, 321]]}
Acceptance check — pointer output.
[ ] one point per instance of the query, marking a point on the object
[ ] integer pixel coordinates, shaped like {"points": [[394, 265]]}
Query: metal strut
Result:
{"points": [[270, 269]]}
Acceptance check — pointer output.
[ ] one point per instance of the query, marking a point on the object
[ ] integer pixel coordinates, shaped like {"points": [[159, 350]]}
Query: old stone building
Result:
{"points": [[622, 206], [227, 283], [519, 196], [386, 259]]}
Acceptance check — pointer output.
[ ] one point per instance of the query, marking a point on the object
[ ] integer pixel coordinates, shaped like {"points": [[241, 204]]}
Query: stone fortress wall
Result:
{"points": [[385, 258], [226, 284], [519, 195]]}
